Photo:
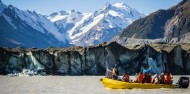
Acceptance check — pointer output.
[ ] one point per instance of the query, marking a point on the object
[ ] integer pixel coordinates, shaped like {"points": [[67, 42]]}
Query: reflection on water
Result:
{"points": [[71, 85]]}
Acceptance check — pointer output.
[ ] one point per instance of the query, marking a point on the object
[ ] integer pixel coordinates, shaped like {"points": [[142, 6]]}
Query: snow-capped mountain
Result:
{"points": [[65, 20], [30, 29], [86, 29], [27, 29]]}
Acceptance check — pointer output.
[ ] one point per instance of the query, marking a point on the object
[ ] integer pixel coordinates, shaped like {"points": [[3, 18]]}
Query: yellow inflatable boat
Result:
{"points": [[115, 84]]}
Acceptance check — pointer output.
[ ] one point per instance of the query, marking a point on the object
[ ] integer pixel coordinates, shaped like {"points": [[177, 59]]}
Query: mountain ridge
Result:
{"points": [[101, 25], [27, 29], [167, 26], [64, 28]]}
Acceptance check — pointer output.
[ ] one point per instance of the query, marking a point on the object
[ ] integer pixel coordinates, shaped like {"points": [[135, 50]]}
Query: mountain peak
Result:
{"points": [[103, 24], [121, 5], [107, 6], [61, 12], [2, 6], [72, 10]]}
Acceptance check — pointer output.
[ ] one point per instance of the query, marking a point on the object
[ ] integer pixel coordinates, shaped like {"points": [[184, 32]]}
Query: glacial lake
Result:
{"points": [[71, 85]]}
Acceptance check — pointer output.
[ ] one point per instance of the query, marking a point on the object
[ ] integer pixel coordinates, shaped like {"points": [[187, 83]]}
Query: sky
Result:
{"points": [[46, 7]]}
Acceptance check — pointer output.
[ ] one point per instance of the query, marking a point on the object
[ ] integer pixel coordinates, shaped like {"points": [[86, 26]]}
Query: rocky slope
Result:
{"points": [[95, 60], [168, 26]]}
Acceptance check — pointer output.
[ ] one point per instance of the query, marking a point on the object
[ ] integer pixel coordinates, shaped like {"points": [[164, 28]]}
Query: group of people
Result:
{"points": [[164, 78], [144, 77]]}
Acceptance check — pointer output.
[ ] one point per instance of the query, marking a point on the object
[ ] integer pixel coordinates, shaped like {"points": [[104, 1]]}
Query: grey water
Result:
{"points": [[71, 85]]}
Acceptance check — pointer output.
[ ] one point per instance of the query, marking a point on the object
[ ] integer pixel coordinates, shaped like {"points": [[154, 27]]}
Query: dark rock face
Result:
{"points": [[150, 27], [168, 26], [95, 60]]}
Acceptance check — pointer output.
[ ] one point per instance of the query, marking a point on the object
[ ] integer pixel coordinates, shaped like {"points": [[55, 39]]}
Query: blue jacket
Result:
{"points": [[146, 70]]}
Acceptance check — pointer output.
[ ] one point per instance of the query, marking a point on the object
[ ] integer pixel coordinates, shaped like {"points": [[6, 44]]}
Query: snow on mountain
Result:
{"points": [[40, 23], [78, 24], [28, 29], [69, 16], [66, 20], [104, 24], [2, 7], [63, 28], [87, 29], [9, 20]]}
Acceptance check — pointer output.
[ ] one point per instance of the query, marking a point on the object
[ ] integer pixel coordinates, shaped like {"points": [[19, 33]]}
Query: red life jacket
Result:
{"points": [[140, 78], [167, 79], [126, 78]]}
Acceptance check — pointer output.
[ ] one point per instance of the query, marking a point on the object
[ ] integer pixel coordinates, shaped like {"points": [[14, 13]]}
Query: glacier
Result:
{"points": [[95, 59]]}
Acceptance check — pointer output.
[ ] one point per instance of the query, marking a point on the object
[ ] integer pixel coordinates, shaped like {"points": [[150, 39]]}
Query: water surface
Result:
{"points": [[71, 85]]}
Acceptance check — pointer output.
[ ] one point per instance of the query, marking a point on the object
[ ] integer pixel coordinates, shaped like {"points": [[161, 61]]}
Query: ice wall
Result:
{"points": [[93, 60]]}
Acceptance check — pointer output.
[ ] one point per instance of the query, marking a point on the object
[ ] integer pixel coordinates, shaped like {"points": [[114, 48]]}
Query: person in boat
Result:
{"points": [[171, 75], [125, 77], [146, 74], [156, 79], [115, 72], [136, 77], [171, 78], [167, 79], [108, 73], [139, 77], [162, 78], [147, 78]]}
